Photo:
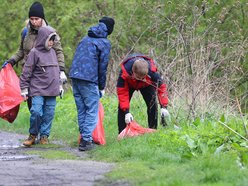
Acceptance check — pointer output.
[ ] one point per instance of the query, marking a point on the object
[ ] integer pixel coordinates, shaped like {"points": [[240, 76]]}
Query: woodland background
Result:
{"points": [[200, 47]]}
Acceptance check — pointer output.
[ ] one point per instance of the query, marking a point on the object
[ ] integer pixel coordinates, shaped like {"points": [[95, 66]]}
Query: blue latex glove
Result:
{"points": [[5, 63]]}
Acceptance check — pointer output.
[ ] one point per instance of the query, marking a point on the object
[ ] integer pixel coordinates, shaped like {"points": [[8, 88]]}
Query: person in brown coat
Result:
{"points": [[40, 80], [29, 35]]}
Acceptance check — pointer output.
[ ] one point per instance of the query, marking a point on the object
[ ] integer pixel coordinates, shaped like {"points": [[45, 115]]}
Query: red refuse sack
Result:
{"points": [[134, 129], [98, 134], [10, 94]]}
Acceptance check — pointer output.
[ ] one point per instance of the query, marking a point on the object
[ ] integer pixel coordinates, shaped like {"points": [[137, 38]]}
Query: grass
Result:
{"points": [[201, 152]]}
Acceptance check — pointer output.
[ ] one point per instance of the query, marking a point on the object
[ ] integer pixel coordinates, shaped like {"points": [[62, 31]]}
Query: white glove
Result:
{"points": [[128, 118], [61, 91], [101, 93], [24, 93], [63, 77], [164, 112]]}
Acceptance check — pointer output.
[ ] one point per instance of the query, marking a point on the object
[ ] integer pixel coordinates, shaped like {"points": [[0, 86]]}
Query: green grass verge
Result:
{"points": [[201, 152]]}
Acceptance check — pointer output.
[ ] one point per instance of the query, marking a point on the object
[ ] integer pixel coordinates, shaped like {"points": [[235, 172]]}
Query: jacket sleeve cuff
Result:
{"points": [[126, 111], [12, 61], [61, 68]]}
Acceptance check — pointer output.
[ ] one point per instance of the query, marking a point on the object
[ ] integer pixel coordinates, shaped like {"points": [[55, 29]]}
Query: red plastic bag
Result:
{"points": [[134, 129], [98, 133], [10, 94]]}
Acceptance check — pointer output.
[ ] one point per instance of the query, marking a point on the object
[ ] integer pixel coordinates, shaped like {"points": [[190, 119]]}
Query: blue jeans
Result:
{"points": [[42, 114], [86, 95]]}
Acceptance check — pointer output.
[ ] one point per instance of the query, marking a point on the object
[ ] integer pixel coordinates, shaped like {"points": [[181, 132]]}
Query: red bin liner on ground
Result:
{"points": [[134, 129]]}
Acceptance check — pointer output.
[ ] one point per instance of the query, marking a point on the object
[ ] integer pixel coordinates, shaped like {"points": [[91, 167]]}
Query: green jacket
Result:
{"points": [[28, 42]]}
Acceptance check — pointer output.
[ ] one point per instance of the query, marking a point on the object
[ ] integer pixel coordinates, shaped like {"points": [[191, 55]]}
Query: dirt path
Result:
{"points": [[17, 168]]}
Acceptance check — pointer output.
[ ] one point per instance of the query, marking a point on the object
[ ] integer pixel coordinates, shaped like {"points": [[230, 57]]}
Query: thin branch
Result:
{"points": [[233, 131], [241, 114]]}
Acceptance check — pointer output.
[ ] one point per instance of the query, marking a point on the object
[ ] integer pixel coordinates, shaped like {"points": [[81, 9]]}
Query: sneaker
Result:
{"points": [[85, 145], [44, 140], [30, 141]]}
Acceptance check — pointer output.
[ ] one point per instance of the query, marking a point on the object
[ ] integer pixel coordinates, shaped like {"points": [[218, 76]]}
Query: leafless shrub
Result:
{"points": [[201, 68]]}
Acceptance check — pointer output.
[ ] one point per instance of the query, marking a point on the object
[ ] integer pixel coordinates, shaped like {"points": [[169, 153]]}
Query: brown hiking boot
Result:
{"points": [[43, 140], [30, 141]]}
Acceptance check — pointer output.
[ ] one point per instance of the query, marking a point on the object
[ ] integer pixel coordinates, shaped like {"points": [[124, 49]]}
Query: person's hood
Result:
{"points": [[98, 31], [44, 34]]}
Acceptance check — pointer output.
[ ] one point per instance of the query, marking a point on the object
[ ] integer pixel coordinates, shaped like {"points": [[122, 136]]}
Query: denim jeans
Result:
{"points": [[86, 95], [42, 114]]}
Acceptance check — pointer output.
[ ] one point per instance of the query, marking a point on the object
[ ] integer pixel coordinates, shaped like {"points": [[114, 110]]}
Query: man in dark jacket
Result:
{"points": [[138, 72], [88, 73]]}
